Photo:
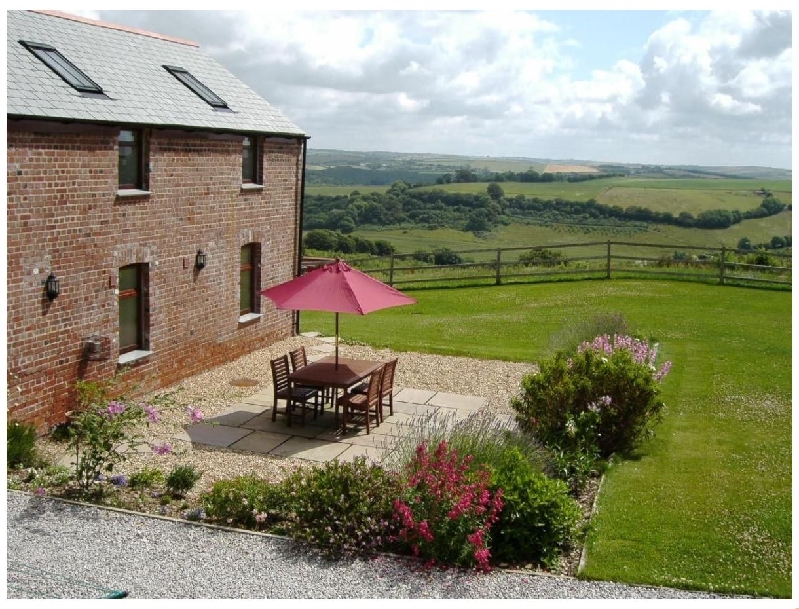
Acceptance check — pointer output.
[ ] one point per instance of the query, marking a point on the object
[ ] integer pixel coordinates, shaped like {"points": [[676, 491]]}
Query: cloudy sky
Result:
{"points": [[672, 87]]}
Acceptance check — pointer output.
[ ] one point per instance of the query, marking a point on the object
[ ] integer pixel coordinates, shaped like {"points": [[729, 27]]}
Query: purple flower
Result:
{"points": [[664, 370], [39, 491], [195, 414], [162, 449], [119, 480], [152, 414], [115, 408]]}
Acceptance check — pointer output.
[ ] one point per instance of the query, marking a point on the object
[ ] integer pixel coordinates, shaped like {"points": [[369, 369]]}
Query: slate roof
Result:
{"points": [[128, 65]]}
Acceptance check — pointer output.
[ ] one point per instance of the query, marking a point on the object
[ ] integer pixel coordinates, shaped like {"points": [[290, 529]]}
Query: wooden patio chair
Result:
{"points": [[368, 404], [295, 397], [386, 388], [299, 359]]}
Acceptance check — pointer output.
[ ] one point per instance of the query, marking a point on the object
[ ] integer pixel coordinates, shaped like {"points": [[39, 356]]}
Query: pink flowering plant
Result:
{"points": [[446, 510], [246, 501], [601, 400], [342, 508], [103, 431]]}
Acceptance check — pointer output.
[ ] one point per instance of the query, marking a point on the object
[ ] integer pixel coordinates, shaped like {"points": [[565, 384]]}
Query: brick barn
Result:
{"points": [[156, 192]]}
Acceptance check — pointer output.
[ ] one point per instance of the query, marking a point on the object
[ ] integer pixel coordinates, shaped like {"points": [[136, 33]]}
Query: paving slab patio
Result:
{"points": [[414, 396], [310, 449], [454, 400], [215, 435], [248, 426], [260, 442]]}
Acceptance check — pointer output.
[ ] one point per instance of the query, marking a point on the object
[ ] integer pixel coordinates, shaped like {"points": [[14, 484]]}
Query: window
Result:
{"points": [[132, 307], [131, 160], [250, 157], [248, 285], [59, 64], [197, 87]]}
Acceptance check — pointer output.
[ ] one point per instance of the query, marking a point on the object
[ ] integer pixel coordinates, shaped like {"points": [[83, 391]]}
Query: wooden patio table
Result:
{"points": [[324, 373]]}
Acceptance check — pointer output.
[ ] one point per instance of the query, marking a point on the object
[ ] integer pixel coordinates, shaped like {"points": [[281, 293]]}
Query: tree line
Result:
{"points": [[401, 205], [467, 175]]}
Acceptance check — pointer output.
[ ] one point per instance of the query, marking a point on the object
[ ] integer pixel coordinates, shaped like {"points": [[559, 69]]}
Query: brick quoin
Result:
{"points": [[64, 216]]}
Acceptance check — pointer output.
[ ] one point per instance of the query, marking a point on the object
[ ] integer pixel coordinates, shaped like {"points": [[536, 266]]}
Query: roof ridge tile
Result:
{"points": [[114, 26]]}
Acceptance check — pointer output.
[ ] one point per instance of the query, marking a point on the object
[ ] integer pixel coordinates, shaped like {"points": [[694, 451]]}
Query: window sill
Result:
{"points": [[132, 356], [132, 192], [252, 187], [249, 317]]}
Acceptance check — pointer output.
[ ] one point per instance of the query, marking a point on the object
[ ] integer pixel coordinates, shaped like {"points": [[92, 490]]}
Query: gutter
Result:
{"points": [[298, 271]]}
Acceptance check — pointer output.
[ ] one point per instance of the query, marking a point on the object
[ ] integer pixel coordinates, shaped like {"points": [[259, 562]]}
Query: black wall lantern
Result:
{"points": [[200, 260], [51, 287]]}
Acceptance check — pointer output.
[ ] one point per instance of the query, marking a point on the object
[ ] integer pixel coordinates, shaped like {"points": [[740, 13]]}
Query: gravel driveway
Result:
{"points": [[60, 549]]}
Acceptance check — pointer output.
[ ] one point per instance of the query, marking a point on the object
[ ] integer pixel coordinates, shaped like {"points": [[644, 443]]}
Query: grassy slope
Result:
{"points": [[519, 235], [707, 504]]}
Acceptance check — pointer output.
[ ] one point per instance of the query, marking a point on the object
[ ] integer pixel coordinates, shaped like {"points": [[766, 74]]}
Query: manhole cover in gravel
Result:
{"points": [[244, 383]]}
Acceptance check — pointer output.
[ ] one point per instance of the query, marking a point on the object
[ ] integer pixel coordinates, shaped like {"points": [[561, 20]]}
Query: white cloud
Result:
{"points": [[500, 82]]}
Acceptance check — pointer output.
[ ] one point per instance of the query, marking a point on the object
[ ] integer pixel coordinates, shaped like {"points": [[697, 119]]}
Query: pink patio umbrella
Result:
{"points": [[338, 288]]}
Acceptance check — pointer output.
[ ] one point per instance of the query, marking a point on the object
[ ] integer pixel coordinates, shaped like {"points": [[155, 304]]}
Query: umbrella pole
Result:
{"points": [[336, 340]]}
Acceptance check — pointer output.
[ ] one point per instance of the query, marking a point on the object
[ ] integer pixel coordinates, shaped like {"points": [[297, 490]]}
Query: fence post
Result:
{"points": [[499, 261], [722, 265], [608, 273], [391, 271]]}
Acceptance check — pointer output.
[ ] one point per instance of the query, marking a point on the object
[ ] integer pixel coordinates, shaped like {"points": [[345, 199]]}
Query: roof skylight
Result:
{"points": [[197, 87], [59, 64]]}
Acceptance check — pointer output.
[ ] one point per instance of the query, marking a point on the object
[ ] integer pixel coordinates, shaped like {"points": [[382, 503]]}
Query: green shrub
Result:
{"points": [[182, 479], [146, 478], [542, 257], [246, 501], [538, 521], [761, 258], [422, 256], [443, 256], [574, 467], [343, 508], [49, 476], [20, 444], [602, 399]]}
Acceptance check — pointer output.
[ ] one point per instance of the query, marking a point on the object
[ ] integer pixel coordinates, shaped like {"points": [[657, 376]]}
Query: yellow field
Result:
{"points": [[570, 169]]}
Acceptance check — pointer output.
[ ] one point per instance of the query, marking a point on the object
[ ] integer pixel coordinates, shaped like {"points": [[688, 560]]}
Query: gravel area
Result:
{"points": [[57, 549], [213, 392]]}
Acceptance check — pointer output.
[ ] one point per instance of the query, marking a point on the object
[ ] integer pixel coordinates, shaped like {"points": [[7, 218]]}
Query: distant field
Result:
{"points": [[570, 169], [489, 164], [692, 195], [760, 230], [342, 190], [677, 200], [578, 191]]}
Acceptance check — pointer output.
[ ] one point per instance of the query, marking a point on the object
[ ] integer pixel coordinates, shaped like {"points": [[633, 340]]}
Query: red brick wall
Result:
{"points": [[63, 215]]}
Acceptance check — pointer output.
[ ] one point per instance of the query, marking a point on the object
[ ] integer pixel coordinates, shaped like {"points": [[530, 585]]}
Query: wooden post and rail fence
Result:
{"points": [[606, 259]]}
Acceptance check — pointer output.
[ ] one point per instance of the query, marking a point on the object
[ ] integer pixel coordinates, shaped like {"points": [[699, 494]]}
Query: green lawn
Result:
{"points": [[707, 503]]}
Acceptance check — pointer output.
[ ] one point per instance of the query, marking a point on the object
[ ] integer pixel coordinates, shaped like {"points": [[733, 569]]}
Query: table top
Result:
{"points": [[324, 372]]}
